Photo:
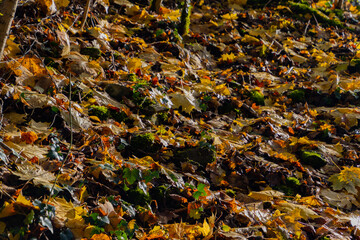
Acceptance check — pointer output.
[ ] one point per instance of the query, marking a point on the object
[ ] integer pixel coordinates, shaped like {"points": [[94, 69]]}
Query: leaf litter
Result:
{"points": [[244, 128]]}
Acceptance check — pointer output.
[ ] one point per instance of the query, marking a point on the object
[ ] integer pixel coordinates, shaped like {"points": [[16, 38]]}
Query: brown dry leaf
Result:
{"points": [[27, 150], [304, 211], [186, 100], [12, 49], [339, 200], [35, 173], [51, 6], [266, 195]]}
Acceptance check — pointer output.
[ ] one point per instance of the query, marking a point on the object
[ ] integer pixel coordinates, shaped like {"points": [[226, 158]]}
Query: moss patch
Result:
{"points": [[301, 8], [297, 95], [201, 155], [99, 111], [257, 97], [91, 51], [313, 159]]}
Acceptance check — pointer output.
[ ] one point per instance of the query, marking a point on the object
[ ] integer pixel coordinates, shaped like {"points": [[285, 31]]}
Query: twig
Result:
{"points": [[306, 28], [87, 9], [267, 4], [317, 23], [70, 146]]}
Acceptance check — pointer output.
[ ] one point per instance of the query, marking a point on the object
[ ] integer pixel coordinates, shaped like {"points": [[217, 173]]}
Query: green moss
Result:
{"points": [[141, 100], [230, 192], [354, 66], [159, 193], [99, 111], [293, 182], [138, 197], [132, 77], [118, 115], [145, 143], [313, 159], [300, 8], [257, 97], [297, 95], [91, 51], [184, 25], [143, 139], [291, 186], [201, 154], [163, 117]]}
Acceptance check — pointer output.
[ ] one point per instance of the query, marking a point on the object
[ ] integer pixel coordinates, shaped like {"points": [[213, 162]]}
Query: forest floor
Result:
{"points": [[247, 127]]}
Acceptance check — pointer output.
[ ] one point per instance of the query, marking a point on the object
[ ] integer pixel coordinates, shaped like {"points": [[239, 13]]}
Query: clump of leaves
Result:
{"points": [[313, 159], [135, 185], [98, 221], [101, 112], [348, 179], [125, 230]]}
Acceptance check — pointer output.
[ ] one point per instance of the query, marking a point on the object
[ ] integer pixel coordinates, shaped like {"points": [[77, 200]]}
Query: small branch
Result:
{"points": [[87, 9]]}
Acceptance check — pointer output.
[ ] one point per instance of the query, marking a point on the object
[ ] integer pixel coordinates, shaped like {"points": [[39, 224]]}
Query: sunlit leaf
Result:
{"points": [[348, 179]]}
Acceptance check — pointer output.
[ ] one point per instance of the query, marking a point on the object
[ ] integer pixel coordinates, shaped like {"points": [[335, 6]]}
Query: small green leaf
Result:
{"points": [[131, 175], [29, 218]]}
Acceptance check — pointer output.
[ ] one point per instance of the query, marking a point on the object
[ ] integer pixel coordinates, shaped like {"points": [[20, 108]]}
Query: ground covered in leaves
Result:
{"points": [[247, 127]]}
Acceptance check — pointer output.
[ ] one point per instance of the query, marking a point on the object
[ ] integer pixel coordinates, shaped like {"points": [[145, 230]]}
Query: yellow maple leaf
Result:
{"points": [[172, 15], [348, 178], [2, 227], [33, 64], [230, 16], [145, 161], [205, 229], [227, 57], [7, 210], [222, 89], [11, 48], [311, 201], [133, 64], [23, 201]]}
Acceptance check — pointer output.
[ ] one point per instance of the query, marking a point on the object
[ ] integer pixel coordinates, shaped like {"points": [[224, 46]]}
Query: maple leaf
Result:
{"points": [[348, 179], [205, 229], [36, 173]]}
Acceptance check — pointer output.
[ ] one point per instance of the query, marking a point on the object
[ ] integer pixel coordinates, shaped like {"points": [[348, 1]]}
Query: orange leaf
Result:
{"points": [[29, 137], [100, 236]]}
